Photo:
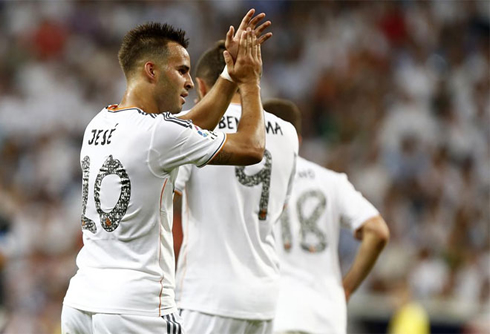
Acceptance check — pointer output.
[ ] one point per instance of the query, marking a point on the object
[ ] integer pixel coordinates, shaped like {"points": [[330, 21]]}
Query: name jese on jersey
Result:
{"points": [[231, 122], [97, 139]]}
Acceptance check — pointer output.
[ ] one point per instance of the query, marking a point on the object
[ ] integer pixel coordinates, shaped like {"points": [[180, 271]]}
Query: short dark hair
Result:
{"points": [[147, 40], [286, 110], [211, 63]]}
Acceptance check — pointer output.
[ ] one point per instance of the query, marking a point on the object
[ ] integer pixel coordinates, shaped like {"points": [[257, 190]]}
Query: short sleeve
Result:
{"points": [[354, 208], [182, 177], [177, 142]]}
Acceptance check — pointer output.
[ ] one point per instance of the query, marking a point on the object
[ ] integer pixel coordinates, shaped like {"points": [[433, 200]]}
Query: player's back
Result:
{"points": [[312, 298], [228, 265], [128, 160]]}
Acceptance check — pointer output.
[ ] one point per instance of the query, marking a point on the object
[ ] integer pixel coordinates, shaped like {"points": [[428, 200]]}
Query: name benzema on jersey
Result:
{"points": [[231, 122]]}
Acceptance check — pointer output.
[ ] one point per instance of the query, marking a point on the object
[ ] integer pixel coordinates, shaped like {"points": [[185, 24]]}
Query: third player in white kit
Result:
{"points": [[228, 274], [313, 293]]}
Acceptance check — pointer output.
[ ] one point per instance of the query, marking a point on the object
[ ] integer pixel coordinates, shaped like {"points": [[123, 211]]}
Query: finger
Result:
{"points": [[253, 22], [262, 27], [263, 38], [242, 50], [259, 52], [246, 19], [249, 42], [229, 36], [254, 45]]}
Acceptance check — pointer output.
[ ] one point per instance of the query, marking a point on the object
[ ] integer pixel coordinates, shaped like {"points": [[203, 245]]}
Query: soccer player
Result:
{"points": [[129, 158], [228, 275], [313, 294]]}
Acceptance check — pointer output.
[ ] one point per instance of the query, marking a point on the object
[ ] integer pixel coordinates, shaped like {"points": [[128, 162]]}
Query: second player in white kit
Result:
{"points": [[228, 265], [228, 274]]}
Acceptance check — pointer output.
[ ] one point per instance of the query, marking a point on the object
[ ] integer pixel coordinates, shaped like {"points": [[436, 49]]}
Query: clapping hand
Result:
{"points": [[247, 68], [232, 40]]}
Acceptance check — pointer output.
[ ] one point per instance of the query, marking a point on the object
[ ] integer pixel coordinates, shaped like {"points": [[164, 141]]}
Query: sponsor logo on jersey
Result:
{"points": [[205, 133]]}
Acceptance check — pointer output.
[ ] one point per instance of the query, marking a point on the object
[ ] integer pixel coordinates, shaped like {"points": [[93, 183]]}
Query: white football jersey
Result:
{"points": [[129, 161], [228, 265], [312, 298]]}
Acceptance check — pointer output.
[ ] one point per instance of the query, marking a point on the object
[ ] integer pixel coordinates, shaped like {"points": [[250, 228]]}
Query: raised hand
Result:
{"points": [[232, 40], [247, 67]]}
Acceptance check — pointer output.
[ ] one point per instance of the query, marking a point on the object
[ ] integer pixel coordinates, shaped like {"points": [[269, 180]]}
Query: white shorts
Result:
{"points": [[203, 323], [74, 321]]}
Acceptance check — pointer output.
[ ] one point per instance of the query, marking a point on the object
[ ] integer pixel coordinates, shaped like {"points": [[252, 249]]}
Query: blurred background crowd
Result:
{"points": [[393, 93]]}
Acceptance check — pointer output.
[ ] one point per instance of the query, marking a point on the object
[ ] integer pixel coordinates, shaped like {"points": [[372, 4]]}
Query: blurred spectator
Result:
{"points": [[410, 316], [429, 276]]}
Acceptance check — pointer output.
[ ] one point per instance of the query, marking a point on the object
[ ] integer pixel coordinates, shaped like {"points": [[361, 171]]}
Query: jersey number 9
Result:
{"points": [[264, 177]]}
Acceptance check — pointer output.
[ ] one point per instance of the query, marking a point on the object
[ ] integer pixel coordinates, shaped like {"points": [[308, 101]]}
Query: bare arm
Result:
{"points": [[247, 145], [177, 231], [374, 235], [208, 112]]}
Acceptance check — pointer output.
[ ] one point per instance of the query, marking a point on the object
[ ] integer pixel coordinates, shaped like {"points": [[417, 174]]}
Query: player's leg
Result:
{"points": [[259, 327], [202, 323], [75, 321], [123, 323]]}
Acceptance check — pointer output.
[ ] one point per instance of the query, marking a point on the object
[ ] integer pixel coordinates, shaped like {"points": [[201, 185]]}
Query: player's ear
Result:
{"points": [[202, 88], [150, 71]]}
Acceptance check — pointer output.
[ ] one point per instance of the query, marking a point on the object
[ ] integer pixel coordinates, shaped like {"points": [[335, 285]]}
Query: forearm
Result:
{"points": [[375, 236], [208, 112], [251, 127], [363, 263], [247, 145]]}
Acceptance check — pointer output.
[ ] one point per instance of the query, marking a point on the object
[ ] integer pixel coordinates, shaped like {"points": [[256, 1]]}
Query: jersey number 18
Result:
{"points": [[312, 239]]}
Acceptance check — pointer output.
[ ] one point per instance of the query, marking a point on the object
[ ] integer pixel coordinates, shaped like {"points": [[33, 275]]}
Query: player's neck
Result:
{"points": [[135, 97]]}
